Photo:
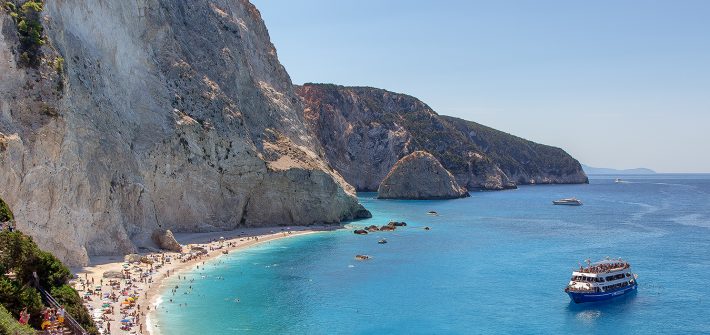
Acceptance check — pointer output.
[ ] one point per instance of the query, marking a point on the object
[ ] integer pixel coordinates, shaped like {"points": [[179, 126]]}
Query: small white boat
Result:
{"points": [[432, 213], [568, 202], [382, 241], [618, 180]]}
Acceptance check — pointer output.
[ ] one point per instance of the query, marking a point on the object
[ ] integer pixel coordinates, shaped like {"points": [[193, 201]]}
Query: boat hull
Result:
{"points": [[567, 203], [592, 297]]}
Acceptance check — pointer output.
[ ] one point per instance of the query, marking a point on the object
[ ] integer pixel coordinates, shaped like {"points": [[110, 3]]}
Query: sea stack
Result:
{"points": [[420, 176]]}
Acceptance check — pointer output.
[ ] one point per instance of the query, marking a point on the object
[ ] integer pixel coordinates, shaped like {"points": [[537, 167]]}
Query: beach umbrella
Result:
{"points": [[125, 320]]}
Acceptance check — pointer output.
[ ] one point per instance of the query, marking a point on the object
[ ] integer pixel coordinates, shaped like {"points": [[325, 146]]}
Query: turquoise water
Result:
{"points": [[496, 262]]}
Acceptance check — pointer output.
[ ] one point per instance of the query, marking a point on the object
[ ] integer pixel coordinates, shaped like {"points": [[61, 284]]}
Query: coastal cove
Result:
{"points": [[495, 262]]}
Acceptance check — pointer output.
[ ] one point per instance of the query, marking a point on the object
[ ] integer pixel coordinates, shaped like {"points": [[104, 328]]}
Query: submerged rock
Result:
{"points": [[420, 176]]}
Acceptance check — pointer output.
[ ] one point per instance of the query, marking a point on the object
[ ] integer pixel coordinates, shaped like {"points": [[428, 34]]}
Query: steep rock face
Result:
{"points": [[366, 130], [167, 115], [420, 176], [522, 161]]}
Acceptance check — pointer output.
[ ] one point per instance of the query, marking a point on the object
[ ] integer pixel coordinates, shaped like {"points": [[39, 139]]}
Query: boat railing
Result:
{"points": [[580, 289], [598, 269]]}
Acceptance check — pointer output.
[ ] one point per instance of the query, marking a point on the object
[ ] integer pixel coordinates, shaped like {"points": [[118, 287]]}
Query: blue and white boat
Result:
{"points": [[601, 280]]}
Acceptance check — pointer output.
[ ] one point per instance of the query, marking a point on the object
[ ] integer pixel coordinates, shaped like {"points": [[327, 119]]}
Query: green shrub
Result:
{"points": [[59, 65], [29, 29], [22, 257], [50, 270], [10, 325], [15, 297], [5, 212]]}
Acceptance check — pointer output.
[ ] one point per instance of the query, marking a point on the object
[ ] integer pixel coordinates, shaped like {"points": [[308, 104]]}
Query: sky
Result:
{"points": [[615, 83]]}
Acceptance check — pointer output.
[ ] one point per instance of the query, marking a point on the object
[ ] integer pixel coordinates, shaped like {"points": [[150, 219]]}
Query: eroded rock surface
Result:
{"points": [[165, 115], [166, 240], [365, 131], [419, 176]]}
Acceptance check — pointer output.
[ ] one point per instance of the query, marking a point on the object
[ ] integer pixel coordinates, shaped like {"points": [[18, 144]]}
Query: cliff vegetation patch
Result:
{"points": [[20, 258], [5, 213], [27, 18]]}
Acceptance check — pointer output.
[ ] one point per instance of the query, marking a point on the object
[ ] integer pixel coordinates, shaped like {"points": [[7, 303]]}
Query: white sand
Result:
{"points": [[147, 293]]}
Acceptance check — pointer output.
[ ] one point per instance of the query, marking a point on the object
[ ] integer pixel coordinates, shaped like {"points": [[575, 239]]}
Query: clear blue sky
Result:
{"points": [[615, 83]]}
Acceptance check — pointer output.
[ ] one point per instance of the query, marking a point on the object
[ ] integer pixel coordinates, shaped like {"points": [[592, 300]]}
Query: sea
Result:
{"points": [[493, 263]]}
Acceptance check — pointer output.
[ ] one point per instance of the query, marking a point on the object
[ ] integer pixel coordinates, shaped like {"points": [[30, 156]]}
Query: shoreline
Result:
{"points": [[147, 281]]}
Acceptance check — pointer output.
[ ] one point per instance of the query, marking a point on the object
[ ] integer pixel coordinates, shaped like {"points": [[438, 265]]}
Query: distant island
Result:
{"points": [[595, 170]]}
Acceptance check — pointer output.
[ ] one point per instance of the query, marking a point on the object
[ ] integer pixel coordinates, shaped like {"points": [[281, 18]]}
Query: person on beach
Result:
{"points": [[24, 317], [60, 315]]}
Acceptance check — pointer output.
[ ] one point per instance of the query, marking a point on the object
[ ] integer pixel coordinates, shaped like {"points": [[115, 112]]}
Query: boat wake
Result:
{"points": [[589, 315], [695, 220]]}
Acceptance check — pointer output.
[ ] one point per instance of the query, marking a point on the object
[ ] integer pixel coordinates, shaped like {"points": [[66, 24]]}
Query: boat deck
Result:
{"points": [[606, 266]]}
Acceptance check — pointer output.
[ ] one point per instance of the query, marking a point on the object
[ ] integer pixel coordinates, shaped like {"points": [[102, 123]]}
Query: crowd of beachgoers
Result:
{"points": [[121, 295], [605, 267]]}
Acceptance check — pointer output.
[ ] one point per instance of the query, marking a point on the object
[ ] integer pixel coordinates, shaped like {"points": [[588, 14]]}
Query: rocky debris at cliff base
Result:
{"points": [[166, 240], [201, 250], [132, 258], [360, 232], [372, 228], [420, 176], [113, 274]]}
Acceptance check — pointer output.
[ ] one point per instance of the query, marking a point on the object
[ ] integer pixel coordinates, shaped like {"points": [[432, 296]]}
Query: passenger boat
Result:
{"points": [[568, 202], [601, 280]]}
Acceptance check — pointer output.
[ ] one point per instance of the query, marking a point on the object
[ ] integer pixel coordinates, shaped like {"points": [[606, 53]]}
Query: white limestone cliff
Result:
{"points": [[168, 115]]}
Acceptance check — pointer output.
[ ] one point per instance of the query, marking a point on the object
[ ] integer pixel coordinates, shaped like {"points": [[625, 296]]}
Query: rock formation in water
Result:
{"points": [[365, 131], [419, 176], [133, 116]]}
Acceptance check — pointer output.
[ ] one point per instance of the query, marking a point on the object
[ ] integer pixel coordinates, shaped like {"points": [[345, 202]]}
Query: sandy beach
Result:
{"points": [[133, 296]]}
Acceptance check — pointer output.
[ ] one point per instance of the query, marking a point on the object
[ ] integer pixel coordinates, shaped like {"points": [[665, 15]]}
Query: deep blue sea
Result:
{"points": [[494, 263]]}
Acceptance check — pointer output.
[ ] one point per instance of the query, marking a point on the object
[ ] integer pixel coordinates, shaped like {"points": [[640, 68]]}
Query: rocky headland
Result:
{"points": [[365, 131], [420, 176]]}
